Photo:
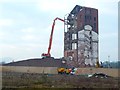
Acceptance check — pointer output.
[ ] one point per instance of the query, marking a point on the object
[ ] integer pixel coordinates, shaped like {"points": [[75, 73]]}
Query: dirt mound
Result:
{"points": [[38, 62]]}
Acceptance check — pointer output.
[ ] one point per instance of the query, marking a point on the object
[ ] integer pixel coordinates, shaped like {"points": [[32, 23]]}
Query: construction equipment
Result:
{"points": [[61, 70], [47, 55], [97, 64], [71, 71]]}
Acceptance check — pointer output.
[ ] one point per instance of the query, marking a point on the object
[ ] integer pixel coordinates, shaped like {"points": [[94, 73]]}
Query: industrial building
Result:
{"points": [[81, 37]]}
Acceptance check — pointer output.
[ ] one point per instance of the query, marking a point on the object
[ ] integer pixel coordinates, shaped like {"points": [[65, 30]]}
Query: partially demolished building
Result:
{"points": [[81, 37]]}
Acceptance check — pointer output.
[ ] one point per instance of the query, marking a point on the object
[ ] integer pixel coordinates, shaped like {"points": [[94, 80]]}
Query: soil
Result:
{"points": [[35, 80]]}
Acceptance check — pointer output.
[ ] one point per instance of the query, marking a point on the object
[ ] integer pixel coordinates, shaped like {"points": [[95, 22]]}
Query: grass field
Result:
{"points": [[34, 80]]}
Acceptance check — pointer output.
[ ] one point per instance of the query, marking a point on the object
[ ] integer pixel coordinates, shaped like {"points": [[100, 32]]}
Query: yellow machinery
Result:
{"points": [[64, 70], [61, 70], [97, 64]]}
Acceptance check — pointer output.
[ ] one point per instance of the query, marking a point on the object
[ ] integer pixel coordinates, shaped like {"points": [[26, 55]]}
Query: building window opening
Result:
{"points": [[74, 46], [94, 18]]}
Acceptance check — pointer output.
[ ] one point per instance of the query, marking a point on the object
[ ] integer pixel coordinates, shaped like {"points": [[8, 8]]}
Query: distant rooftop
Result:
{"points": [[77, 8]]}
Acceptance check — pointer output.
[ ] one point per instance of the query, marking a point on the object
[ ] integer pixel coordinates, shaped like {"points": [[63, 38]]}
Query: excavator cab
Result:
{"points": [[44, 55]]}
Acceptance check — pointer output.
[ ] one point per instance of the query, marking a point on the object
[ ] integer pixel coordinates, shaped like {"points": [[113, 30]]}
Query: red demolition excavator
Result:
{"points": [[47, 55]]}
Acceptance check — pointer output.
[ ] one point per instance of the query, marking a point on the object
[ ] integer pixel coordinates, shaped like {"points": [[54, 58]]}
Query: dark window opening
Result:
{"points": [[90, 38], [94, 18], [90, 42], [90, 33], [90, 47], [88, 18], [94, 25]]}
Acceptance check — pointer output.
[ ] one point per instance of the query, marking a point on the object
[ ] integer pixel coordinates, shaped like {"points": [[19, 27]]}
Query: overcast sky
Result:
{"points": [[25, 27]]}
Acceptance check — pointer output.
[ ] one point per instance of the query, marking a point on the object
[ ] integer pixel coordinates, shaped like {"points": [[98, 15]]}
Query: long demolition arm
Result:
{"points": [[51, 37]]}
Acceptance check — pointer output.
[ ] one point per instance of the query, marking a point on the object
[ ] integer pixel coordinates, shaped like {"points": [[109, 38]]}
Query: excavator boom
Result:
{"points": [[51, 37]]}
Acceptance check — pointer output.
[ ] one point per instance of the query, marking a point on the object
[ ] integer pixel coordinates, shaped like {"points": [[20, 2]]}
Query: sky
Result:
{"points": [[25, 27]]}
